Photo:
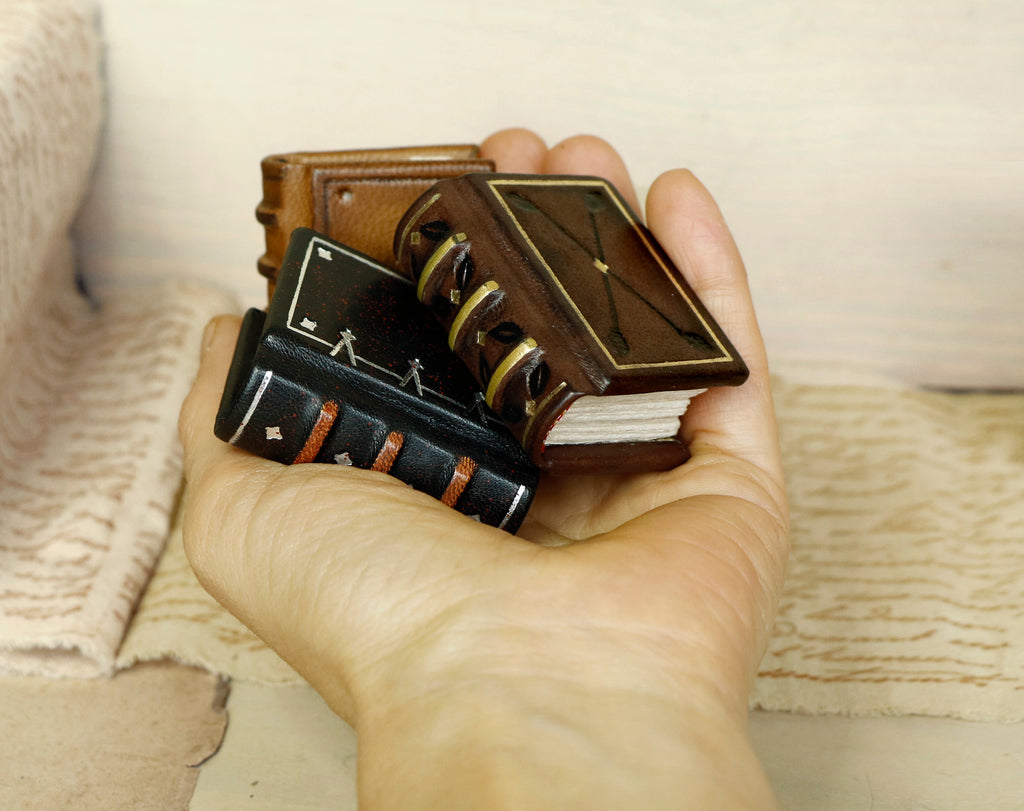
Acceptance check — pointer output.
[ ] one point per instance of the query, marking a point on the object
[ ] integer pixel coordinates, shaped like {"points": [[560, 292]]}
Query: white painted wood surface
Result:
{"points": [[869, 156], [284, 748]]}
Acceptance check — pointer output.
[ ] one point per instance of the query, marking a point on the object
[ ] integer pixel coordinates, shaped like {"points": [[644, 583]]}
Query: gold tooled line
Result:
{"points": [[670, 273], [474, 301], [521, 350], [539, 408], [412, 219], [435, 259]]}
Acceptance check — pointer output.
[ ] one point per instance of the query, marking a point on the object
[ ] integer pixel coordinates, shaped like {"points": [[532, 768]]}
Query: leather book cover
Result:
{"points": [[353, 196], [346, 367], [563, 305]]}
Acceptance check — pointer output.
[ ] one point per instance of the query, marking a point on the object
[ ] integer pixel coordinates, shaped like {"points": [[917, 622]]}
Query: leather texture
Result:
{"points": [[346, 367], [353, 196], [550, 288]]}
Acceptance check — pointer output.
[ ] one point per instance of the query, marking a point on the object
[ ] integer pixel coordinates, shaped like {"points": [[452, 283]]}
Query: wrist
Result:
{"points": [[543, 743], [503, 728]]}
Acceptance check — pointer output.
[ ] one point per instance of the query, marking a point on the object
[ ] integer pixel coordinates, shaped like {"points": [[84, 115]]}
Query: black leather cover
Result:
{"points": [[347, 367]]}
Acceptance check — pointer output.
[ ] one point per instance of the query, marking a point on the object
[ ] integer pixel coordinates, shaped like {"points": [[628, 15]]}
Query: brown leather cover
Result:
{"points": [[550, 288], [353, 196]]}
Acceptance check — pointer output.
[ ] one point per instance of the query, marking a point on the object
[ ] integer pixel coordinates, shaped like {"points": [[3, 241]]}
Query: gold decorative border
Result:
{"points": [[539, 408], [475, 300], [412, 220], [435, 258], [521, 350], [669, 272]]}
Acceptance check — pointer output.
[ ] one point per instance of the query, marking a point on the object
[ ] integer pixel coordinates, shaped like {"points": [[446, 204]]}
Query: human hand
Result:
{"points": [[619, 632]]}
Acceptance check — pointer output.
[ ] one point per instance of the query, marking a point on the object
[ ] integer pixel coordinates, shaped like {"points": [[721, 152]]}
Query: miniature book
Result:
{"points": [[353, 196], [585, 338], [347, 367]]}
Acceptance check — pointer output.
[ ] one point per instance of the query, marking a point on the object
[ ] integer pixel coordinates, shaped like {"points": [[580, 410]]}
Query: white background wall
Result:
{"points": [[869, 156]]}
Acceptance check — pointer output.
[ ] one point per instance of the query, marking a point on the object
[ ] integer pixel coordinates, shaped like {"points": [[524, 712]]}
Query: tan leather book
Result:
{"points": [[353, 196], [583, 336]]}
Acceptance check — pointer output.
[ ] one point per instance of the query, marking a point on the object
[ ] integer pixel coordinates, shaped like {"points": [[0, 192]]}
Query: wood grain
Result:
{"points": [[869, 157]]}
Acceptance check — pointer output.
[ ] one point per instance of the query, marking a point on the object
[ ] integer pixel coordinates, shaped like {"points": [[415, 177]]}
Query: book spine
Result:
{"points": [[281, 210], [266, 215], [471, 279], [290, 199], [347, 421]]}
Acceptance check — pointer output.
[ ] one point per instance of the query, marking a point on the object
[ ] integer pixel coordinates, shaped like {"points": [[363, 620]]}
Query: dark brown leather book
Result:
{"points": [[585, 338], [346, 367], [353, 196]]}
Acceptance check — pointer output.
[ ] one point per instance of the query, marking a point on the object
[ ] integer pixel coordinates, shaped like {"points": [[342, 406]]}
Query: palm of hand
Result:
{"points": [[360, 582]]}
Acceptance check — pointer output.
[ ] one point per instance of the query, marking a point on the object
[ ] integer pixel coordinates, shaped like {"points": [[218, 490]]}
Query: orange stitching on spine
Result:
{"points": [[328, 414], [388, 452], [464, 471]]}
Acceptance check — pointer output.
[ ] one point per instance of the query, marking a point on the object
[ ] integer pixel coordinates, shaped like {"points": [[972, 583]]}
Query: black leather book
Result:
{"points": [[346, 367]]}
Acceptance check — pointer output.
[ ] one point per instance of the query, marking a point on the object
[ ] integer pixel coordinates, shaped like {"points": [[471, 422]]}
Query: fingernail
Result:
{"points": [[208, 335]]}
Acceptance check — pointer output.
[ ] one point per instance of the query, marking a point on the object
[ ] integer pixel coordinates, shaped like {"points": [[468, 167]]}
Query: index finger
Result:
{"points": [[203, 450]]}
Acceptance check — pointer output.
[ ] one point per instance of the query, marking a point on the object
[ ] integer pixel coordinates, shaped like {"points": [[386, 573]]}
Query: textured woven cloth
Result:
{"points": [[906, 580], [89, 459], [905, 591], [90, 467], [50, 112], [178, 620]]}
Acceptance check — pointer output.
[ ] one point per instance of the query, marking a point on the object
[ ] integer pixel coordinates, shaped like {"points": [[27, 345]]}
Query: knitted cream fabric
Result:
{"points": [[50, 109], [906, 581], [178, 620], [89, 458]]}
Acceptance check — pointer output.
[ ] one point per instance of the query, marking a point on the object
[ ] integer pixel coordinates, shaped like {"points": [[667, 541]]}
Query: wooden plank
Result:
{"points": [[868, 156]]}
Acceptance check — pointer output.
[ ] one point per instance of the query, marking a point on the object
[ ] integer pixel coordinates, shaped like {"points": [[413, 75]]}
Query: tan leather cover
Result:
{"points": [[355, 196]]}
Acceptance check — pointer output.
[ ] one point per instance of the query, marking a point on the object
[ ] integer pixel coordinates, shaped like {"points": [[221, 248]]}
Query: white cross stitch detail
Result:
{"points": [[346, 341], [414, 375]]}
